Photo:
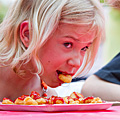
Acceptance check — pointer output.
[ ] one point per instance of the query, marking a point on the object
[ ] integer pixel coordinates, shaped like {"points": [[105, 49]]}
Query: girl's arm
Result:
{"points": [[94, 86]]}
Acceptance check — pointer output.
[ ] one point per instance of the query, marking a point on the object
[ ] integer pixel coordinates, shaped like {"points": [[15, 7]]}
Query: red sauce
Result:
{"points": [[75, 99], [77, 96], [47, 101], [23, 97], [55, 98], [88, 98], [35, 95], [7, 99], [69, 99], [58, 98]]}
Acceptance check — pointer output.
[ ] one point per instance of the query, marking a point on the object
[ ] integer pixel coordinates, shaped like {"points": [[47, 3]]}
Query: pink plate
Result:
{"points": [[57, 107]]}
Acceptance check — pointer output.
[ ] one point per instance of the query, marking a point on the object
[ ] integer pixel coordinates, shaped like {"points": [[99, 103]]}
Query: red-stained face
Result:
{"points": [[64, 52]]}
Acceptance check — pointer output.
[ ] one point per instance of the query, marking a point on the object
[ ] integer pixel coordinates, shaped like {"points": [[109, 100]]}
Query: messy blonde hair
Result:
{"points": [[44, 16]]}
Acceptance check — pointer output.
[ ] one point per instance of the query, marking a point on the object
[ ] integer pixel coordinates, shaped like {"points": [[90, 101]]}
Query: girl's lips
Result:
{"points": [[64, 73]]}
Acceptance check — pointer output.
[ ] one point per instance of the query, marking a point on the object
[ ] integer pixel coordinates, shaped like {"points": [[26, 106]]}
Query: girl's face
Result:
{"points": [[64, 52]]}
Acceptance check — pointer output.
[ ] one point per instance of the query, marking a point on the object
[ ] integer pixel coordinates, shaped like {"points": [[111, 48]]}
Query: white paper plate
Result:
{"points": [[56, 107]]}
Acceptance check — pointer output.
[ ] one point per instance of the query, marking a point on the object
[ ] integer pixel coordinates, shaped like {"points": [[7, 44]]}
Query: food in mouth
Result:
{"points": [[66, 78]]}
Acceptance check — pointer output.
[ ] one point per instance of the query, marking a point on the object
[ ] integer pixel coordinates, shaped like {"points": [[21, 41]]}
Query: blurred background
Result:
{"points": [[4, 7]]}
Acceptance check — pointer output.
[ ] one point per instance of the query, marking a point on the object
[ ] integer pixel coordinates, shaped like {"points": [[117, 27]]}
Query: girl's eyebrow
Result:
{"points": [[89, 43], [72, 38]]}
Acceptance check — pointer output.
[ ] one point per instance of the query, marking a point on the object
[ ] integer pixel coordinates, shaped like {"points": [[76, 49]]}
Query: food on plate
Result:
{"points": [[76, 95], [65, 78], [25, 100], [20, 100], [92, 100], [7, 101], [30, 101], [35, 99], [35, 95], [56, 100], [42, 100], [70, 100]]}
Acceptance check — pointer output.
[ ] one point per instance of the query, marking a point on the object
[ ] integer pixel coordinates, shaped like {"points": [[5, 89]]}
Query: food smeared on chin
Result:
{"points": [[35, 99], [64, 77]]}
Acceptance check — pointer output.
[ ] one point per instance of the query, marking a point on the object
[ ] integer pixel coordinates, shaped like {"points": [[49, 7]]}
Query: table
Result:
{"points": [[113, 113]]}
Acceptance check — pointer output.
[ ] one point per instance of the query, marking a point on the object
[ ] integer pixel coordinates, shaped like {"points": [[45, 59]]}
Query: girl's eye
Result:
{"points": [[68, 45], [85, 48]]}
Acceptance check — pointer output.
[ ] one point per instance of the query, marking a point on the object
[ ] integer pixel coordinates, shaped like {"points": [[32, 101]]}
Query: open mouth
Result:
{"points": [[64, 73], [64, 77], [59, 72]]}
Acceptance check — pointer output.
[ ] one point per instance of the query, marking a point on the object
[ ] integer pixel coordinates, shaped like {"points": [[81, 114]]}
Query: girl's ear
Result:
{"points": [[24, 33]]}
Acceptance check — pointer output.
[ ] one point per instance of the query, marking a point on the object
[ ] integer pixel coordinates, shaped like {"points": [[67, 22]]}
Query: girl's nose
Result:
{"points": [[75, 61]]}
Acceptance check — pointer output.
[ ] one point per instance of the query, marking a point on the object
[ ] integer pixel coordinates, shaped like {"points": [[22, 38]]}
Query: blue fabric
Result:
{"points": [[78, 79], [111, 71]]}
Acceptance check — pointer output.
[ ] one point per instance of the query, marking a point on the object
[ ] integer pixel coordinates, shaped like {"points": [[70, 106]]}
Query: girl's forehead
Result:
{"points": [[88, 36], [78, 29], [82, 33]]}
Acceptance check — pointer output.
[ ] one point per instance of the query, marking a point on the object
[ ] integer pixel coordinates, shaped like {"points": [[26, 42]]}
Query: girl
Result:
{"points": [[40, 39]]}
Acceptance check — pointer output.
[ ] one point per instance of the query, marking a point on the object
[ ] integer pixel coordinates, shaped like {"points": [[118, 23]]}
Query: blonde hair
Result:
{"points": [[43, 17]]}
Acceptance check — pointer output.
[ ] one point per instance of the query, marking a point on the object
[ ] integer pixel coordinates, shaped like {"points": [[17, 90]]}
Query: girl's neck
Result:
{"points": [[20, 85]]}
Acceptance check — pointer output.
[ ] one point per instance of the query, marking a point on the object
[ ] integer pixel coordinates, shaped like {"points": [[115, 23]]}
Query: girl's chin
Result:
{"points": [[52, 83], [55, 85]]}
